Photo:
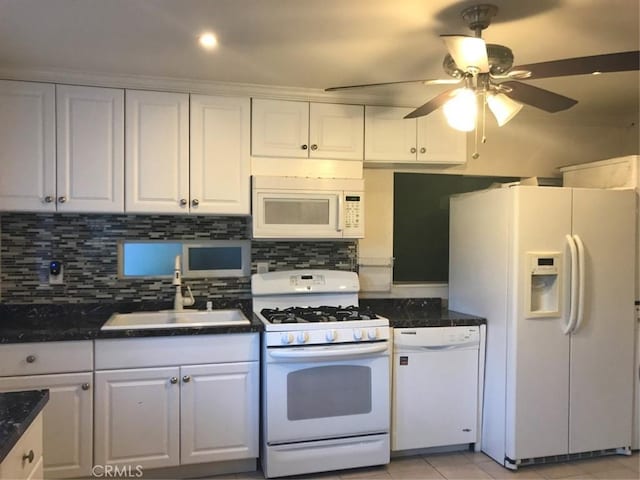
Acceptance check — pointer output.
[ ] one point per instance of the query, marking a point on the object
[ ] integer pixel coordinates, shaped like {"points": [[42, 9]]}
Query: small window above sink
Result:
{"points": [[201, 259]]}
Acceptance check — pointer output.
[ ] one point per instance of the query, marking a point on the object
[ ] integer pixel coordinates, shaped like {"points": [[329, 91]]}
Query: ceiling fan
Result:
{"points": [[487, 70]]}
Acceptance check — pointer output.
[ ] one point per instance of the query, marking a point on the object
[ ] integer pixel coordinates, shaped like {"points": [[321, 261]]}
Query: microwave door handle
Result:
{"points": [[340, 212]]}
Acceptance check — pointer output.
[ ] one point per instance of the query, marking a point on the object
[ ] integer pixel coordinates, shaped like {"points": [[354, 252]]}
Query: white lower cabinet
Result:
{"points": [[138, 417], [179, 414], [218, 412], [24, 460], [68, 417]]}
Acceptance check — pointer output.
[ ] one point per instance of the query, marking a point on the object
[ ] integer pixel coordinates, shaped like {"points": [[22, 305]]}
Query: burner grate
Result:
{"points": [[325, 314]]}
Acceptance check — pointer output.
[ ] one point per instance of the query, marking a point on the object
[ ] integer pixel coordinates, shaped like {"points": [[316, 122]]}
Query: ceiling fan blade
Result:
{"points": [[538, 97], [468, 52], [611, 62], [433, 81], [433, 104]]}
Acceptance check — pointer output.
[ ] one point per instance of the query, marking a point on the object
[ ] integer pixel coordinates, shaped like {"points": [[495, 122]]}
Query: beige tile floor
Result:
{"points": [[469, 465]]}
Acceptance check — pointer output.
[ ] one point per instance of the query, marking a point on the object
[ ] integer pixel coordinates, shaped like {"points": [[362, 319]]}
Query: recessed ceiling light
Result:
{"points": [[208, 40]]}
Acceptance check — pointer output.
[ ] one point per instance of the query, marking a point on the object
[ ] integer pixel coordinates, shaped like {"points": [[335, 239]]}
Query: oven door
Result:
{"points": [[327, 391]]}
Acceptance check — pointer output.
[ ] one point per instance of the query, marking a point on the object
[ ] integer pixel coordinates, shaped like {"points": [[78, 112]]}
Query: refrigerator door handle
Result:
{"points": [[581, 282], [573, 301]]}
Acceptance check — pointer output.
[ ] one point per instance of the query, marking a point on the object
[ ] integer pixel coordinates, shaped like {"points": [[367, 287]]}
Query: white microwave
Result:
{"points": [[313, 208]]}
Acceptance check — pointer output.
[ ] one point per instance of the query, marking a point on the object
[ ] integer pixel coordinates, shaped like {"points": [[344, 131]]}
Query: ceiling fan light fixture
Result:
{"points": [[461, 111], [503, 107]]}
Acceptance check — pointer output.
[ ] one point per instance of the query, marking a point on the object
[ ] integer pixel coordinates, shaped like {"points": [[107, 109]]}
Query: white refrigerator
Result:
{"points": [[552, 270]]}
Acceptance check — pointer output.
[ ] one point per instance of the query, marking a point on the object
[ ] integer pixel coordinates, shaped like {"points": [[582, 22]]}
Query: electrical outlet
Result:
{"points": [[262, 267]]}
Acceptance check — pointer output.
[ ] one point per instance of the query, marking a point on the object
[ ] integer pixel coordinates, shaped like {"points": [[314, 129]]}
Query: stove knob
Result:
{"points": [[357, 334], [372, 333], [331, 335], [286, 338], [303, 337]]}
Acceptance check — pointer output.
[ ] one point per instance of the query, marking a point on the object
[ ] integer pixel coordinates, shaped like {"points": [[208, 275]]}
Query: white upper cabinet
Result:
{"points": [[220, 160], [389, 137], [157, 152], [61, 148], [290, 129], [27, 146], [336, 131], [90, 149]]}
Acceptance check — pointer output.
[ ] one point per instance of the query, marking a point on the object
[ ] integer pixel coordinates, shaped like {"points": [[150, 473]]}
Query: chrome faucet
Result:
{"points": [[179, 301]]}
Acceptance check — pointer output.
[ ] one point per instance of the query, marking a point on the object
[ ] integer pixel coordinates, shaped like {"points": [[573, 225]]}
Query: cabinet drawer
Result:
{"points": [[173, 351], [46, 357], [19, 463]]}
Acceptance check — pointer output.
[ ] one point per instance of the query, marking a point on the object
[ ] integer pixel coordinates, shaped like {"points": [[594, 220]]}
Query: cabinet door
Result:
{"points": [[279, 128], [157, 152], [27, 146], [219, 411], [336, 131], [68, 420], [90, 143], [220, 162], [137, 417], [439, 143], [388, 136]]}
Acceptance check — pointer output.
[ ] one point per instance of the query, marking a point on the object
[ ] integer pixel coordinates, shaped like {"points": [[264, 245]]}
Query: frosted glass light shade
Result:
{"points": [[461, 111], [503, 107]]}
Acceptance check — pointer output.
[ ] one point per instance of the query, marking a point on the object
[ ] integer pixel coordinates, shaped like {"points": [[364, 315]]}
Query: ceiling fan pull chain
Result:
{"points": [[475, 138], [484, 115]]}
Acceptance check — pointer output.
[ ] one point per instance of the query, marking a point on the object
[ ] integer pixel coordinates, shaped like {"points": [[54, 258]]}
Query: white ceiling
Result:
{"points": [[314, 44]]}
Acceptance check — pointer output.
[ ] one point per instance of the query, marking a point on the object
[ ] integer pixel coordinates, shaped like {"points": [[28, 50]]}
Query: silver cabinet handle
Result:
{"points": [[48, 199], [173, 380], [423, 150], [86, 386], [195, 202], [31, 358], [62, 199], [186, 379], [314, 147], [28, 456], [183, 202], [413, 150], [304, 147]]}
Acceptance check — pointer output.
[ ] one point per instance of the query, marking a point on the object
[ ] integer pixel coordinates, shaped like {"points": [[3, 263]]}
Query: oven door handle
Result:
{"points": [[324, 353]]}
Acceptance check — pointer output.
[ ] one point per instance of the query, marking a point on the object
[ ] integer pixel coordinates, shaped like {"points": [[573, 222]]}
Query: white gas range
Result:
{"points": [[325, 371]]}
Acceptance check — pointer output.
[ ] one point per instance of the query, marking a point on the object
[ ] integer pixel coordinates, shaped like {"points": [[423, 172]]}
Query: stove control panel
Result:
{"points": [[326, 336]]}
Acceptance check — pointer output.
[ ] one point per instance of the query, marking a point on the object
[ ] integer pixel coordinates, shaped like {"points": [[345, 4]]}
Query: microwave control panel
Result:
{"points": [[353, 214]]}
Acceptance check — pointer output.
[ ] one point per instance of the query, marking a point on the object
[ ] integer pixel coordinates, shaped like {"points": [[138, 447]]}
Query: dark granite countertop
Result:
{"points": [[419, 312], [17, 412], [21, 323]]}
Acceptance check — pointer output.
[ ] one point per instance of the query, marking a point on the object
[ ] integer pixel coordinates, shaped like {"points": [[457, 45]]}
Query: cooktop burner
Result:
{"points": [[316, 314]]}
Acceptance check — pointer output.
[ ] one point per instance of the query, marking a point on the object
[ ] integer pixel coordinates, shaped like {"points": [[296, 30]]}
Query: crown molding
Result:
{"points": [[196, 86]]}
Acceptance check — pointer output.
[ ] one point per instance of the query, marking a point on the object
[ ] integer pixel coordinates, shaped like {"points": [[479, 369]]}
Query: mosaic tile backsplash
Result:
{"points": [[87, 246]]}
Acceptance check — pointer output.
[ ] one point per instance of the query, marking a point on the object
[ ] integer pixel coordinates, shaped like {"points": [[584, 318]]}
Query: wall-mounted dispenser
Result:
{"points": [[56, 271], [543, 283]]}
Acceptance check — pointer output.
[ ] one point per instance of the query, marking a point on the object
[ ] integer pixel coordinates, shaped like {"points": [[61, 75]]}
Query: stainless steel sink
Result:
{"points": [[173, 319]]}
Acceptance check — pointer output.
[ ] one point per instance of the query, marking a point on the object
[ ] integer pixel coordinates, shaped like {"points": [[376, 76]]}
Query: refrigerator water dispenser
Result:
{"points": [[543, 284]]}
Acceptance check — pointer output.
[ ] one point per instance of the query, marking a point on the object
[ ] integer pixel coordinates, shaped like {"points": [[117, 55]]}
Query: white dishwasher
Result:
{"points": [[435, 387]]}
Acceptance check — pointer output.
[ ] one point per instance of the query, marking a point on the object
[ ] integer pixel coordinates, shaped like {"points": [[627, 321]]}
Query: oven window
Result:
{"points": [[296, 212], [329, 391]]}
